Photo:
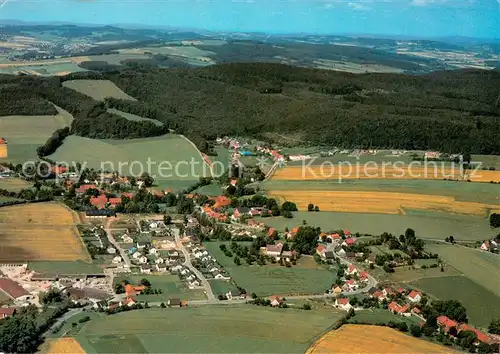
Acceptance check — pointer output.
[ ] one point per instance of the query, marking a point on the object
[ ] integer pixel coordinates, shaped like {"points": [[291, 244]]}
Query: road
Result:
{"points": [[372, 282], [208, 289], [123, 253], [65, 317]]}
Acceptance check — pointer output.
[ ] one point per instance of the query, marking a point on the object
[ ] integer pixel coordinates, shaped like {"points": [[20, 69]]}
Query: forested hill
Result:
{"points": [[448, 111]]}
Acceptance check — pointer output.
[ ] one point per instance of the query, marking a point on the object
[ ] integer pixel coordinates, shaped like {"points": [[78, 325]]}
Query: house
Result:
{"points": [[347, 233], [153, 251], [274, 250], [220, 276], [395, 308], [84, 188], [254, 212], [111, 250], [485, 246], [127, 239], [417, 313], [145, 269], [401, 291], [142, 245], [117, 259], [363, 276], [320, 250], [6, 312], [193, 284], [341, 252], [352, 269], [415, 296], [136, 254], [239, 212], [143, 260], [343, 304], [481, 337], [379, 295], [348, 242], [292, 233], [388, 291], [288, 255], [445, 324], [15, 291], [351, 285], [276, 301], [350, 255], [337, 290], [371, 258], [271, 232], [99, 202], [159, 260]]}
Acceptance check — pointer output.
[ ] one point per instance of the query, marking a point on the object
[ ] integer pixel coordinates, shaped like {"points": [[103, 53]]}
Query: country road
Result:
{"points": [[187, 263], [116, 245], [65, 317], [372, 282]]}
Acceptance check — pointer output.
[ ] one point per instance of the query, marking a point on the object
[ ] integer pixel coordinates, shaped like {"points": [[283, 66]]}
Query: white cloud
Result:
{"points": [[358, 6]]}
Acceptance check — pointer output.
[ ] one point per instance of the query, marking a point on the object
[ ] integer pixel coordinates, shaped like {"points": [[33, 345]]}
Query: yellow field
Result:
{"points": [[380, 202], [42, 232], [366, 171], [63, 346], [372, 339]]}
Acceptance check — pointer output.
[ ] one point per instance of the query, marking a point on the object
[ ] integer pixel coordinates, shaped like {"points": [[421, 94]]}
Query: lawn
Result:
{"points": [[171, 286], [206, 329], [481, 304], [437, 226], [220, 286], [374, 316], [480, 267], [97, 89], [173, 160], [275, 279]]}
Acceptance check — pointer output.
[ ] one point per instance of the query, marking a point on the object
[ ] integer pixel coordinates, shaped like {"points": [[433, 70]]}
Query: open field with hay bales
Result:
{"points": [[25, 133], [479, 266], [427, 226], [97, 89], [206, 329], [372, 339], [479, 301], [63, 346], [170, 157], [382, 203], [360, 171], [41, 231], [273, 279]]}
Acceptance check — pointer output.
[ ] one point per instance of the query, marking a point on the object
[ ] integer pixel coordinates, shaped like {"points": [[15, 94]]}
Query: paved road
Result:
{"points": [[372, 282], [65, 317], [116, 245], [208, 289]]}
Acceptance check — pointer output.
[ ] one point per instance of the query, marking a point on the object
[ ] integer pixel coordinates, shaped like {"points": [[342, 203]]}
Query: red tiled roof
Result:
{"points": [[2, 141], [480, 335], [320, 248], [84, 187], [59, 169], [336, 236], [347, 232], [271, 231], [378, 294], [128, 195], [343, 301], [350, 241], [416, 310], [352, 268], [6, 311], [394, 306], [115, 201], [11, 288], [99, 201], [446, 322], [414, 294], [274, 248], [401, 290]]}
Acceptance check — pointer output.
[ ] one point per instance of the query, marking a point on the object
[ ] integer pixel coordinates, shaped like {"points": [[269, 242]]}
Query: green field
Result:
{"points": [[134, 118], [374, 316], [171, 285], [481, 267], [62, 267], [25, 133], [481, 304], [97, 89], [220, 286], [206, 329], [274, 279], [67, 330], [213, 189], [14, 184], [428, 226], [173, 158], [117, 59]]}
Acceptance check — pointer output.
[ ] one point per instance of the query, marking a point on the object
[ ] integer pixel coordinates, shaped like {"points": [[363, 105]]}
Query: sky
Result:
{"points": [[415, 18]]}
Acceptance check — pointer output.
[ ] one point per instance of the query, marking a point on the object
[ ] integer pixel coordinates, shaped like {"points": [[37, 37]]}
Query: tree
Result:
{"points": [[289, 206], [145, 282], [495, 220], [237, 260], [306, 306], [147, 179], [287, 214], [310, 207], [162, 305], [316, 208], [167, 219], [415, 330], [452, 239], [402, 326], [494, 326]]}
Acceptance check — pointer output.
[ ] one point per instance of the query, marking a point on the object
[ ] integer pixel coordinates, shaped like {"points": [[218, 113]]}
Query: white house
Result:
{"points": [[352, 269], [485, 246], [153, 251], [111, 250], [220, 276], [137, 255], [146, 269], [343, 304], [143, 260], [415, 296], [117, 260], [127, 239], [161, 268], [159, 260]]}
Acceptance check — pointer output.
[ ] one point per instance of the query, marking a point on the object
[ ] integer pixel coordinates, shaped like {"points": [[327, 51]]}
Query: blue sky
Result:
{"points": [[421, 18]]}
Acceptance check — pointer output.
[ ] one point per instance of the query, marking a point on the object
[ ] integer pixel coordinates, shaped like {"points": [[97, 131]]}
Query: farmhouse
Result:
{"points": [[445, 324], [343, 304], [352, 269], [395, 308], [274, 250], [320, 250], [15, 291], [174, 302], [415, 296]]}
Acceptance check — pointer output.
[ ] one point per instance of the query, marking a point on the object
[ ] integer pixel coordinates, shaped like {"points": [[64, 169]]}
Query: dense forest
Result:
{"points": [[452, 111]]}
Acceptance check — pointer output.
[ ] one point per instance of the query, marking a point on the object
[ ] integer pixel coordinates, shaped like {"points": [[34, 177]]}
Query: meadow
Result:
{"points": [[273, 279], [479, 266], [206, 329], [97, 89], [171, 286], [25, 133], [220, 286], [133, 117], [428, 226], [479, 301], [174, 161], [372, 339], [27, 233], [14, 184]]}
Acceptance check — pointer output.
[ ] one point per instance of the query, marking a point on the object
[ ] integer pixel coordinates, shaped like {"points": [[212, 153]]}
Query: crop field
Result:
{"points": [[97, 89], [27, 232], [117, 59], [438, 226], [14, 184], [206, 329], [170, 157], [64, 346], [273, 279], [479, 301], [339, 172], [479, 266], [171, 286], [381, 203], [64, 267], [372, 339], [25, 133], [134, 117]]}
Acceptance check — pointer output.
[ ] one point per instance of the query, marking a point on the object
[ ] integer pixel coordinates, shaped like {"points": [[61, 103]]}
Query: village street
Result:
{"points": [[123, 253]]}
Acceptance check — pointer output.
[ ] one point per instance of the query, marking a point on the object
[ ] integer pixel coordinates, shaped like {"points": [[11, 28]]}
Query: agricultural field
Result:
{"points": [[478, 300], [405, 275], [133, 117], [170, 156], [428, 226], [63, 346], [117, 59], [97, 89], [206, 329], [381, 203], [171, 286], [355, 339], [374, 316], [27, 233], [329, 170], [14, 184], [64, 267], [479, 266], [220, 286], [273, 279], [25, 133]]}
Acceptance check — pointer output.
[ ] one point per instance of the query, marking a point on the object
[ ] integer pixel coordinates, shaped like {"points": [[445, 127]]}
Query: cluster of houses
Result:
{"points": [[276, 251], [452, 328], [353, 280], [207, 264], [333, 243], [490, 245], [151, 259]]}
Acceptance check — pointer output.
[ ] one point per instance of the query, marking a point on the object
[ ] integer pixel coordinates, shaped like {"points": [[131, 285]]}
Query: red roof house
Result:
{"points": [[271, 231], [6, 312], [415, 296], [12, 289], [445, 323], [99, 202], [84, 187]]}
